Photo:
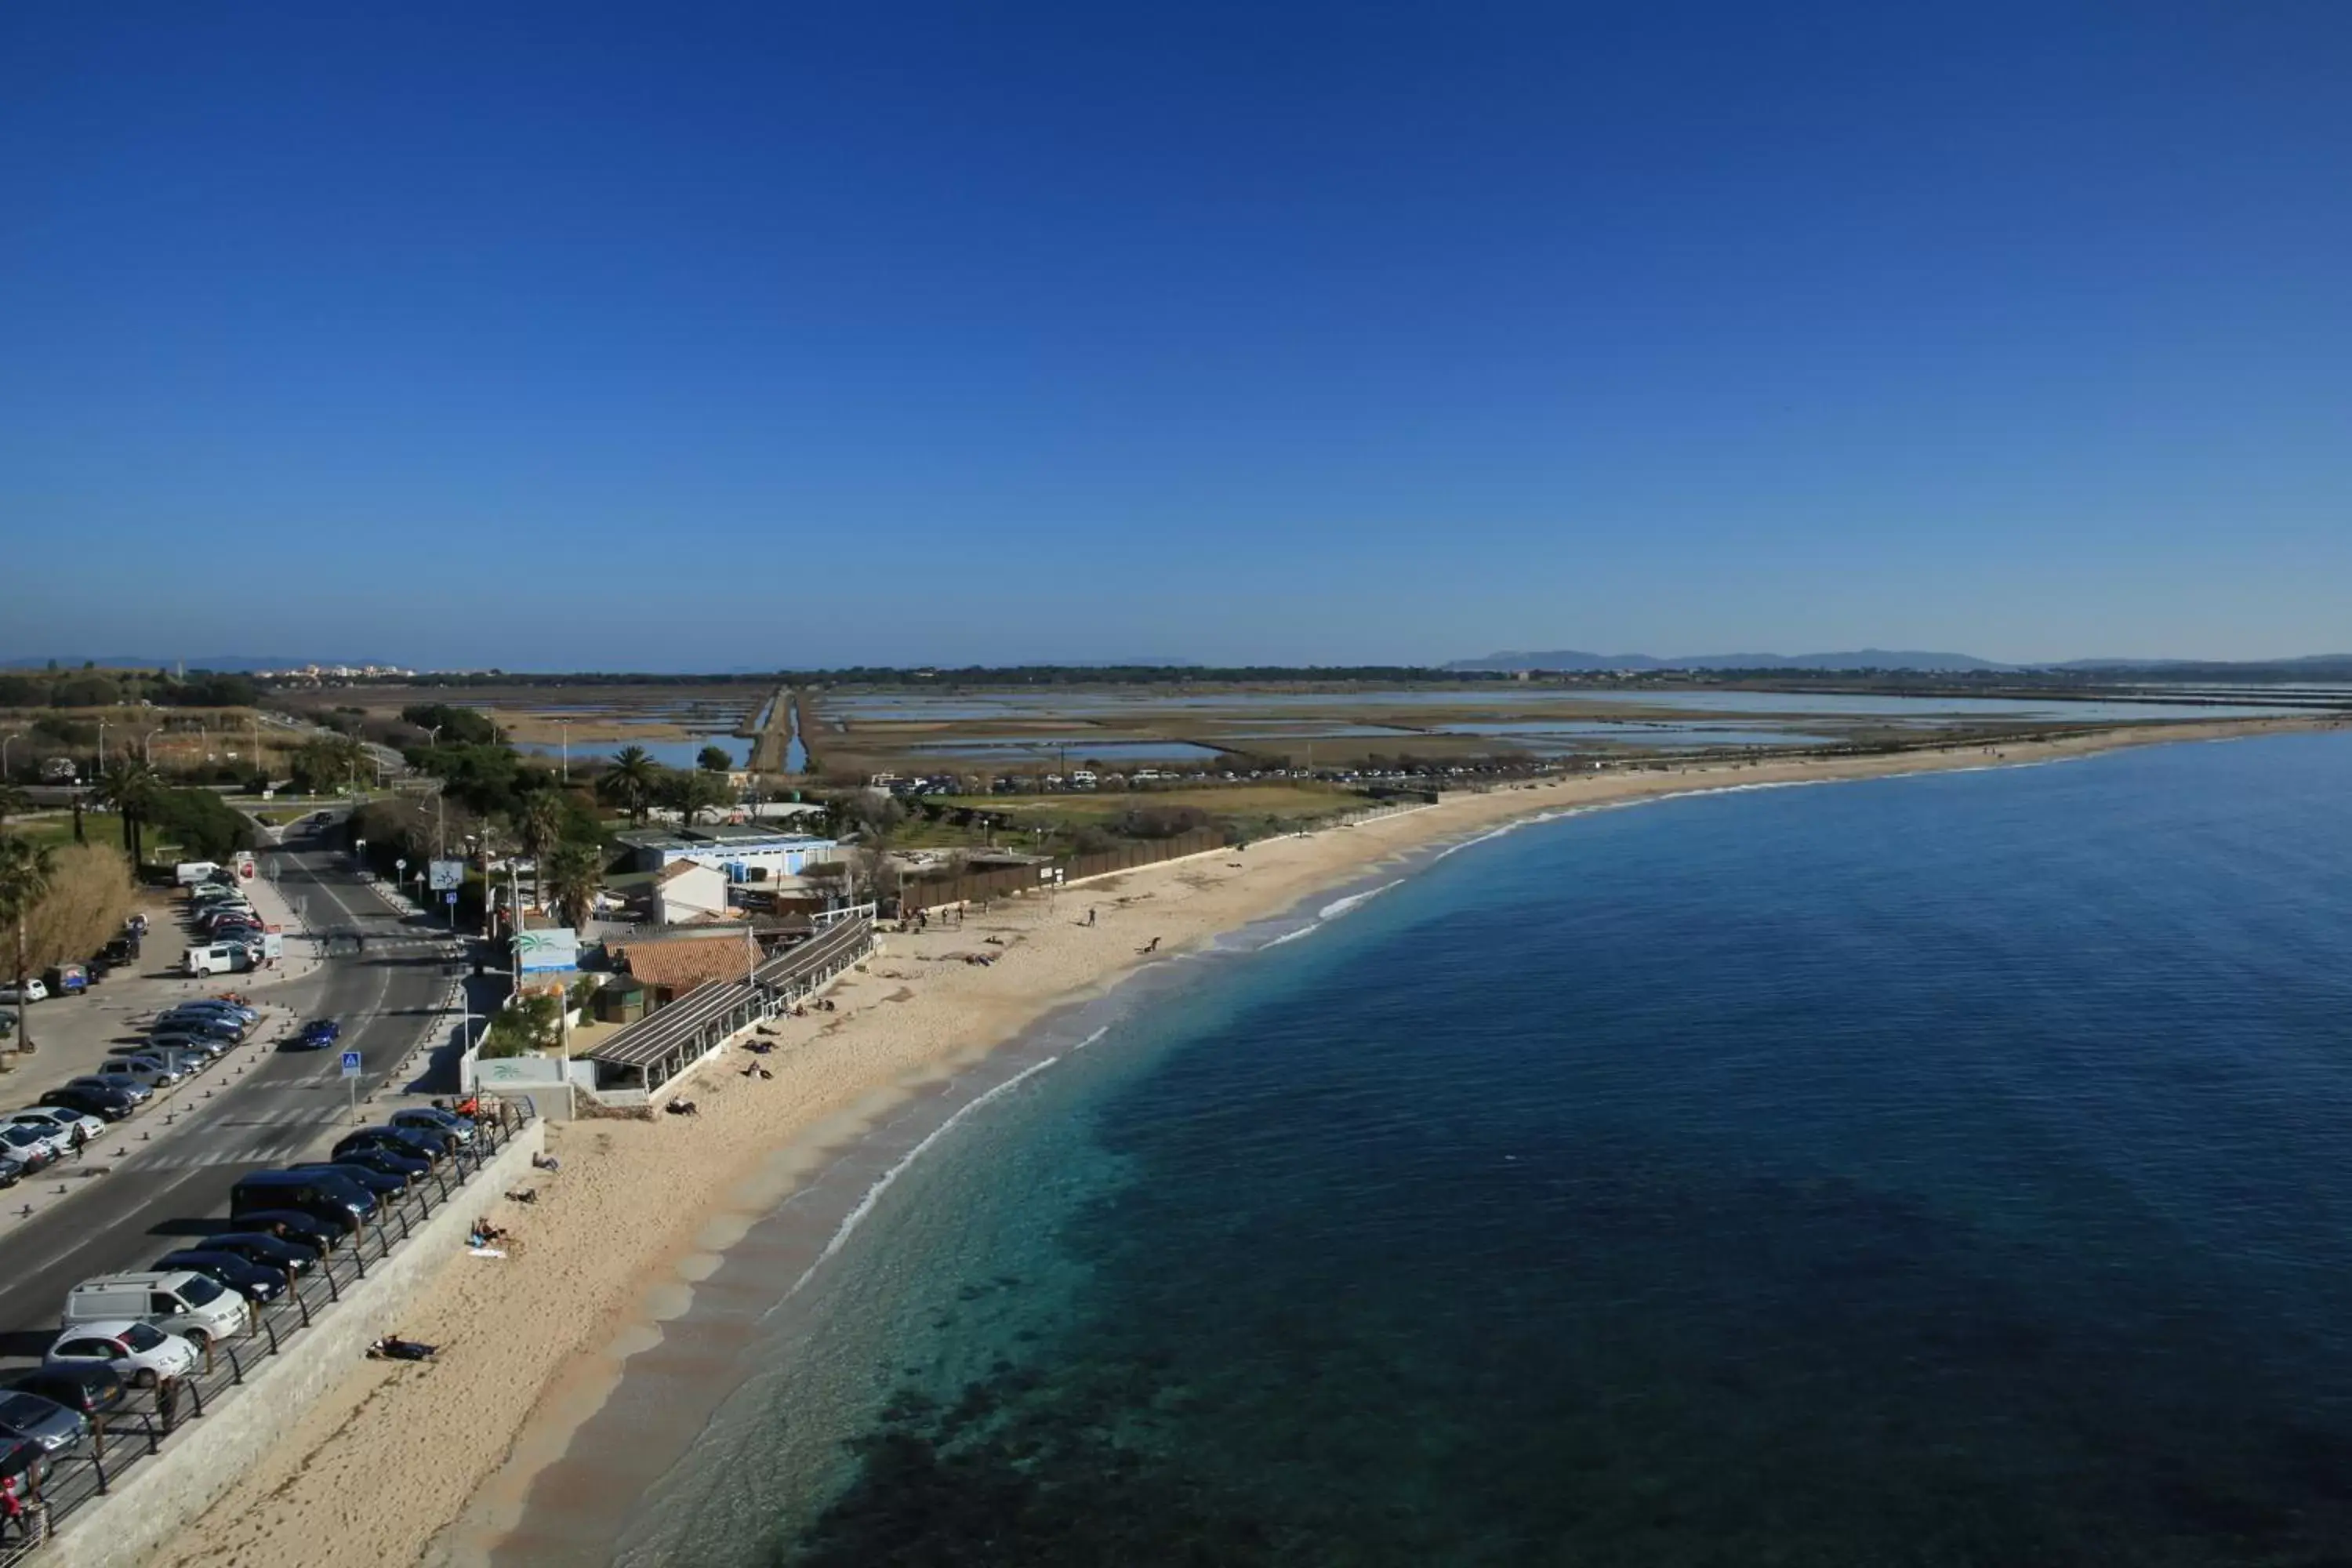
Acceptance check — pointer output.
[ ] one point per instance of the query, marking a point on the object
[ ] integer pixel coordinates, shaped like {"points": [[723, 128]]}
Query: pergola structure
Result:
{"points": [[656, 1049]]}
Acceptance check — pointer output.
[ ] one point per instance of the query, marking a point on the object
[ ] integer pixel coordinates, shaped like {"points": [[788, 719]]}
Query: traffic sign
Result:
{"points": [[448, 897], [350, 1064]]}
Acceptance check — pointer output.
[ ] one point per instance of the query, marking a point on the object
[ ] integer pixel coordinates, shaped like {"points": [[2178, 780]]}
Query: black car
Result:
{"points": [[408, 1141], [91, 1387], [292, 1226], [375, 1156], [256, 1284], [256, 1246], [107, 1104], [383, 1188]]}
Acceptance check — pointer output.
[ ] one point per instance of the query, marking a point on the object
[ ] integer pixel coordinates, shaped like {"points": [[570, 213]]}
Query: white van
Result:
{"points": [[220, 958], [176, 1301], [191, 872]]}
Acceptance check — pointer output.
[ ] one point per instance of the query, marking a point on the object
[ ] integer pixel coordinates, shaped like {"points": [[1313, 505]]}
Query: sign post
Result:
{"points": [[351, 1079]]}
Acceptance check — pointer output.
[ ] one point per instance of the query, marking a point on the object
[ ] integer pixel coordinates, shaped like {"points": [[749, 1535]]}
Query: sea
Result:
{"points": [[1953, 1169]]}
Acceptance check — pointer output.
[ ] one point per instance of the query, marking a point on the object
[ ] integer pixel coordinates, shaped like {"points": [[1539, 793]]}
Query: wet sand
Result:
{"points": [[441, 1462]]}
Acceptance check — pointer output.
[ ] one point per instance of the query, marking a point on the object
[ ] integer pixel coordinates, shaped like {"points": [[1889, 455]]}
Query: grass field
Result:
{"points": [[1257, 801]]}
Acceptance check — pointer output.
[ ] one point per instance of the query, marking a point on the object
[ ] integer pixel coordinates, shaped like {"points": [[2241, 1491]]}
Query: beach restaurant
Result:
{"points": [[640, 1062]]}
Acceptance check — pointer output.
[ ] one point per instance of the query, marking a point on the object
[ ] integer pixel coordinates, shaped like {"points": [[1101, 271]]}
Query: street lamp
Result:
{"points": [[147, 745], [565, 725], [4, 744]]}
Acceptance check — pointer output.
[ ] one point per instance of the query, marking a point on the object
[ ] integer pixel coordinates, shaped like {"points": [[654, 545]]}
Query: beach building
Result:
{"points": [[689, 890], [741, 852]]}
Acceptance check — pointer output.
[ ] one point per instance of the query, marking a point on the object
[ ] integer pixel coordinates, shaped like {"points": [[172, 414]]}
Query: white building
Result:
{"points": [[687, 891]]}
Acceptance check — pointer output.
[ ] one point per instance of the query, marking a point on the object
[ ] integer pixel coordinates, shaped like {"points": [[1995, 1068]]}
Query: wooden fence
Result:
{"points": [[935, 892]]}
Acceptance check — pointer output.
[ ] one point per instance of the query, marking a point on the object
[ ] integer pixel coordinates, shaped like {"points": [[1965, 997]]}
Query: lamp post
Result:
{"points": [[4, 744], [565, 725], [147, 745], [102, 745]]}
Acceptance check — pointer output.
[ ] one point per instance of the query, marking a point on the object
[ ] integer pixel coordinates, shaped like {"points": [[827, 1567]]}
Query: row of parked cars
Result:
{"points": [[75, 979], [184, 1040], [225, 933], [137, 1329]]}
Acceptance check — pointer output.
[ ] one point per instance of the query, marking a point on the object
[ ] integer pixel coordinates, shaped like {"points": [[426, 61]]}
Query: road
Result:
{"points": [[284, 1105]]}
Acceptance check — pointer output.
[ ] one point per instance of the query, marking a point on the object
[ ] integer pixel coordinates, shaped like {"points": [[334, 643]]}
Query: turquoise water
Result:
{"points": [[1937, 1171]]}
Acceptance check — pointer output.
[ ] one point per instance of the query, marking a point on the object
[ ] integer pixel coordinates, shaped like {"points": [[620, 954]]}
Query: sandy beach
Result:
{"points": [[402, 1463]]}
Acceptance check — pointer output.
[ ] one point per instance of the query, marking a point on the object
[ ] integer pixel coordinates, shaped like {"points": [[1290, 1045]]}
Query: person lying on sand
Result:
{"points": [[392, 1347]]}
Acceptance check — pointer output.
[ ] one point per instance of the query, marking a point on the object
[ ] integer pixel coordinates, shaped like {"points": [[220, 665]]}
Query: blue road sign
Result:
{"points": [[450, 898], [350, 1064]]}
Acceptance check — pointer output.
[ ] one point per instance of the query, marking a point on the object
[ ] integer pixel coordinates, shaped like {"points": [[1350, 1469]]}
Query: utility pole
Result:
{"points": [[565, 725]]}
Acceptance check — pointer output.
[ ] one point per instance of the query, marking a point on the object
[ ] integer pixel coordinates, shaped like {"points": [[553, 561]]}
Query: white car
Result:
{"points": [[154, 1072], [34, 1147], [73, 1123], [139, 1352], [33, 990]]}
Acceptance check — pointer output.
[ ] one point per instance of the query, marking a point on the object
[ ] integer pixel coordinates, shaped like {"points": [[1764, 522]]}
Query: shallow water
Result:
{"points": [[1940, 1170]]}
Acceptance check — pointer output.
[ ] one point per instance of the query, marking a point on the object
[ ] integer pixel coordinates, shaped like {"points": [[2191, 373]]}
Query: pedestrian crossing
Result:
{"points": [[242, 1141]]}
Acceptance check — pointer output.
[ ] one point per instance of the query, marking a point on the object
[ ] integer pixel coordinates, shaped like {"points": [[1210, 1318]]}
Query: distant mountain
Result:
{"points": [[1567, 660]]}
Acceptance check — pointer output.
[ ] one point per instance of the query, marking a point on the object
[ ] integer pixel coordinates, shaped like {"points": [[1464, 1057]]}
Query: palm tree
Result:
{"points": [[25, 873], [575, 873], [630, 782], [131, 788], [537, 824]]}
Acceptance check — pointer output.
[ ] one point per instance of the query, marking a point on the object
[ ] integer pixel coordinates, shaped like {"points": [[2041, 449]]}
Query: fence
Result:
{"points": [[91, 1469], [934, 892]]}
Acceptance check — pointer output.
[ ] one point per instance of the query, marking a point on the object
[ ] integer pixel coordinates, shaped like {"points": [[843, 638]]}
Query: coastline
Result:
{"points": [[642, 1213]]}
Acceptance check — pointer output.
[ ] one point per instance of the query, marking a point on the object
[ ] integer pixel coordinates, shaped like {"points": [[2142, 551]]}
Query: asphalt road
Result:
{"points": [[285, 1104]]}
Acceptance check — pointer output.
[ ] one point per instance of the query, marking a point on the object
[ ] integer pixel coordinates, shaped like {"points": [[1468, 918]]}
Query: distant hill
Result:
{"points": [[1861, 658]]}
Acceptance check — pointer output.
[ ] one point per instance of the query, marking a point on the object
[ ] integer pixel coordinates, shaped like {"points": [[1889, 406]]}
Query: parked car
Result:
{"points": [[27, 1414], [177, 1301], [87, 1388], [209, 1047], [380, 1156], [138, 1353], [221, 1005], [31, 1149], [91, 1099], [66, 979], [428, 1147], [153, 1072], [284, 1254], [11, 1171], [190, 1021], [31, 991], [291, 1227], [256, 1284], [122, 1083], [384, 1187], [76, 1125], [318, 1035], [455, 1129], [326, 1198]]}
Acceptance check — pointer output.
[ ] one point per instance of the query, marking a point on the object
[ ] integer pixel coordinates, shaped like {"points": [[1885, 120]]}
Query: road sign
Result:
{"points": [[446, 875], [350, 1064], [448, 897]]}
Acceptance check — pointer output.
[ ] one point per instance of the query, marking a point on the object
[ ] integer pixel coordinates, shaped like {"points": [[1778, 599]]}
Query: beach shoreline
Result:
{"points": [[438, 1463]]}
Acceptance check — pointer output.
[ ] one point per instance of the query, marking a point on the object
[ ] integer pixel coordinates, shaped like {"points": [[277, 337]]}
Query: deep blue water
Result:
{"points": [[1940, 1171]]}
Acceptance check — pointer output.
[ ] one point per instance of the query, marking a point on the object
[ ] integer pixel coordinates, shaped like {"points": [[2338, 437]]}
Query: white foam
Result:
{"points": [[1090, 1039], [1339, 907], [856, 1217], [1310, 929]]}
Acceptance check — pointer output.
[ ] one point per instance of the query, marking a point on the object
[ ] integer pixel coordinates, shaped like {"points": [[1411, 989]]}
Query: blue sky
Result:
{"points": [[706, 336]]}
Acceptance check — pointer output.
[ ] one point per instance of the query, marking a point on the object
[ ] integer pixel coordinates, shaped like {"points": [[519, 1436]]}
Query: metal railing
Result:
{"points": [[90, 1470]]}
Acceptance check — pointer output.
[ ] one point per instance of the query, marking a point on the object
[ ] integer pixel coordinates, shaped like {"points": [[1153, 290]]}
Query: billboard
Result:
{"points": [[445, 876], [537, 951]]}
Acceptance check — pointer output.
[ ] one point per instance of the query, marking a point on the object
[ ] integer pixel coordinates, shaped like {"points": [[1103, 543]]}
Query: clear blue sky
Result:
{"points": [[702, 336]]}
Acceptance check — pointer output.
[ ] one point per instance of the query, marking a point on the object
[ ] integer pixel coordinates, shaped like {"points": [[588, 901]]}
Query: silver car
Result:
{"points": [[44, 1421]]}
